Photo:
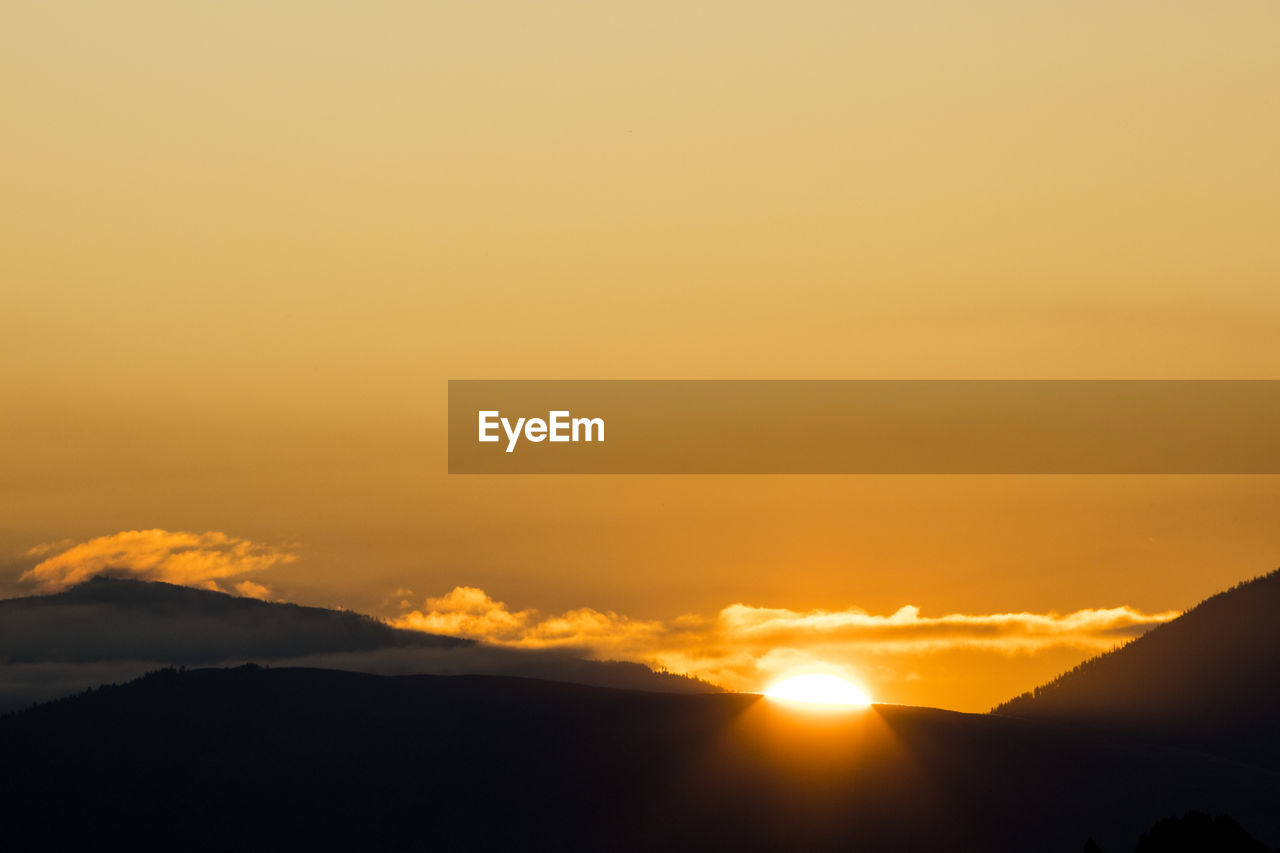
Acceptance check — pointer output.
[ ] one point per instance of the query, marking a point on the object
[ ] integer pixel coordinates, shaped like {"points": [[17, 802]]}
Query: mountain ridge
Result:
{"points": [[229, 759], [115, 630], [1209, 680]]}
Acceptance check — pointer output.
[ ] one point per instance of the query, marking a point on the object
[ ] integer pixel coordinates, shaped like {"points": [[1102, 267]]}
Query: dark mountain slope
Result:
{"points": [[111, 630], [1209, 680], [252, 759], [113, 619]]}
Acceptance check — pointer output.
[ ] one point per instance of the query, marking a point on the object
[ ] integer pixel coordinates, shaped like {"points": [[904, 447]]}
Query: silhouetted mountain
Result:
{"points": [[293, 759], [110, 630], [117, 619], [1208, 680]]}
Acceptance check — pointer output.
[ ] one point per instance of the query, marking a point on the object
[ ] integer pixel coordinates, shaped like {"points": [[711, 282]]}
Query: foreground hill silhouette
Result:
{"points": [[253, 759], [110, 630], [1208, 680]]}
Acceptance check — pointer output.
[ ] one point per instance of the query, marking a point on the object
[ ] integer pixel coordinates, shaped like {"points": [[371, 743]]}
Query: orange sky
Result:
{"points": [[245, 244]]}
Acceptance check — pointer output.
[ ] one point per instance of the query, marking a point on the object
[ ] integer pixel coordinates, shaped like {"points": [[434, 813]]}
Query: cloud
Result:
{"points": [[41, 550], [470, 612], [188, 559], [907, 630], [743, 646], [249, 589]]}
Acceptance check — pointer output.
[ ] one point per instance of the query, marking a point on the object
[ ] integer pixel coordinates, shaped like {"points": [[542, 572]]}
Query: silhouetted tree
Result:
{"points": [[1196, 832]]}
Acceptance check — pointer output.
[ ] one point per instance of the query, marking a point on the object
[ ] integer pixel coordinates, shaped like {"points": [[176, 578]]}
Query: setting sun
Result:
{"points": [[819, 689]]}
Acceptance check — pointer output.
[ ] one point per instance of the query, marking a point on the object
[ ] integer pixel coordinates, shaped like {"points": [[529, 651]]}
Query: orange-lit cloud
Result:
{"points": [[742, 646], [470, 612], [190, 559], [249, 589]]}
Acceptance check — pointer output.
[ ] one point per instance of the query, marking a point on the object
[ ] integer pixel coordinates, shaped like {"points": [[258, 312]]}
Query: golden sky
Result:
{"points": [[244, 245]]}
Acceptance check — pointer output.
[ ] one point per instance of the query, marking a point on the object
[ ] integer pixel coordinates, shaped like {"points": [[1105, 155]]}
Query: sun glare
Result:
{"points": [[818, 689]]}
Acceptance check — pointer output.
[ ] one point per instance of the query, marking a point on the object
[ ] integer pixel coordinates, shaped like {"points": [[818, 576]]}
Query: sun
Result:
{"points": [[819, 689]]}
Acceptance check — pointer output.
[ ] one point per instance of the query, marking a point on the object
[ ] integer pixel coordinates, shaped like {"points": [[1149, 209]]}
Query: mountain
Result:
{"points": [[119, 619], [1208, 680], [111, 630], [252, 759]]}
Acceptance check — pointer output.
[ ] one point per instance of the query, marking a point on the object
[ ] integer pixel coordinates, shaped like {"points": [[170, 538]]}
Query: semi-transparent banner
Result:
{"points": [[864, 427]]}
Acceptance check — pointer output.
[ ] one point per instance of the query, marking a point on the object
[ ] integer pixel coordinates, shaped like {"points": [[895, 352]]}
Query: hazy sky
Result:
{"points": [[244, 245]]}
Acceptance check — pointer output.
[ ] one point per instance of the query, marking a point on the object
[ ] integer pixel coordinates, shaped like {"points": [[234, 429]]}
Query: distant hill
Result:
{"points": [[253, 759], [1208, 680], [117, 619], [110, 630]]}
